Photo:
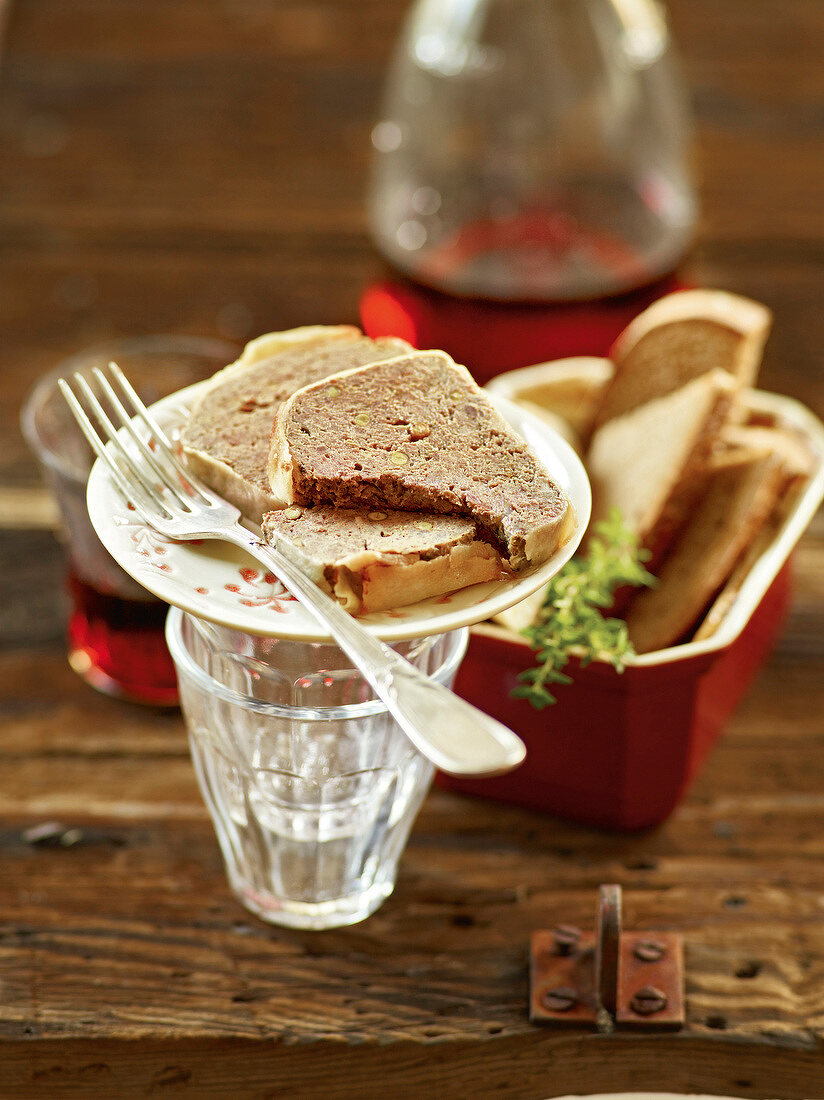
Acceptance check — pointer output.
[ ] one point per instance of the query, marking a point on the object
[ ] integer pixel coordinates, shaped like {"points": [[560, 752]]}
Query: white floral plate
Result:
{"points": [[219, 582]]}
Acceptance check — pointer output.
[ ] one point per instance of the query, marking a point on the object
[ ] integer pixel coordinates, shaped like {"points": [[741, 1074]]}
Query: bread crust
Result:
{"points": [[678, 338], [736, 504]]}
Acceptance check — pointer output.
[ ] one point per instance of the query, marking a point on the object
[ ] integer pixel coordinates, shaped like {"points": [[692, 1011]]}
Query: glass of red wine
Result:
{"points": [[115, 627]]}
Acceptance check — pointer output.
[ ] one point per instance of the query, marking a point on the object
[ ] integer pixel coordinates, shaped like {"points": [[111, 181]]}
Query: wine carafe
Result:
{"points": [[533, 150]]}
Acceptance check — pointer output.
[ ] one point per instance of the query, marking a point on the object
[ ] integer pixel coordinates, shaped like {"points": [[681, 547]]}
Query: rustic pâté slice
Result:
{"points": [[226, 438], [371, 560], [416, 433]]}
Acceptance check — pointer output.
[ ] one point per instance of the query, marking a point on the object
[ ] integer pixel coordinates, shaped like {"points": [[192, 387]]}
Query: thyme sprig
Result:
{"points": [[571, 623]]}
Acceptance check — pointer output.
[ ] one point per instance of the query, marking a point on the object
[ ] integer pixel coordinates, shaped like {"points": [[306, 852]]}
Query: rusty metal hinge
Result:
{"points": [[608, 978]]}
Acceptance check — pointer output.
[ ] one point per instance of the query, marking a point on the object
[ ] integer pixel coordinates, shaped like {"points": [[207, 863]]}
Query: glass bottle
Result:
{"points": [[533, 150]]}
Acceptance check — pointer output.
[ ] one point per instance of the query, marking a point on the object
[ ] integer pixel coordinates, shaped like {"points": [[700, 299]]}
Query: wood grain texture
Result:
{"points": [[200, 167]]}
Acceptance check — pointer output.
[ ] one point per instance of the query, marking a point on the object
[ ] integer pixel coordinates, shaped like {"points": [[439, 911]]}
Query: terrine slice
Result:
{"points": [[226, 438], [416, 433], [371, 560]]}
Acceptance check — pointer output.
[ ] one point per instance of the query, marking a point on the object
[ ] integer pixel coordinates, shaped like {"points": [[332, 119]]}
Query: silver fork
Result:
{"points": [[457, 737]]}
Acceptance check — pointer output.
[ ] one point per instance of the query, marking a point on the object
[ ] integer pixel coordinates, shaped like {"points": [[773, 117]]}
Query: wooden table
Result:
{"points": [[200, 167]]}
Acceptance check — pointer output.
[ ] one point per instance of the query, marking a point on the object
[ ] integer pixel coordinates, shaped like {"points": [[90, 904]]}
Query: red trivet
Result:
{"points": [[491, 337]]}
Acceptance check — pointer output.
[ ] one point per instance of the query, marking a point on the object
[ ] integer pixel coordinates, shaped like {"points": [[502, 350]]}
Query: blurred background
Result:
{"points": [[202, 166]]}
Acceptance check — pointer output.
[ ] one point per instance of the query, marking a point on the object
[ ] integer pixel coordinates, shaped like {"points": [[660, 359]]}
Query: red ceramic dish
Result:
{"points": [[620, 750]]}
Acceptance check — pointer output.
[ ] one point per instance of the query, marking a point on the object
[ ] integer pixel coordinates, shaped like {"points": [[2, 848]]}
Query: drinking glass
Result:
{"points": [[115, 627], [310, 783]]}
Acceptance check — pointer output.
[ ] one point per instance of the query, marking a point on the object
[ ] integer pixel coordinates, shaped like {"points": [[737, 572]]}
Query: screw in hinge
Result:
{"points": [[565, 938], [649, 951], [560, 999], [648, 1001]]}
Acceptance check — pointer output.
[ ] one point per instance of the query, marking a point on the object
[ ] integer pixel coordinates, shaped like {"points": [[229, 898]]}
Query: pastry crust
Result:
{"points": [[374, 561], [384, 585]]}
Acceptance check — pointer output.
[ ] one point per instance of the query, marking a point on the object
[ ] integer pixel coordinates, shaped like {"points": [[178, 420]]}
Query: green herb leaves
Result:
{"points": [[570, 621]]}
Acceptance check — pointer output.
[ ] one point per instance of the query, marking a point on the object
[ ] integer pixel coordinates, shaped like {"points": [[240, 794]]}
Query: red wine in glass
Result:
{"points": [[118, 645], [116, 628]]}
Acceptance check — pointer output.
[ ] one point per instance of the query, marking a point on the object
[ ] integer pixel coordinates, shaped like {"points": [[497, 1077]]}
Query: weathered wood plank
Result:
{"points": [[138, 915], [520, 1067]]}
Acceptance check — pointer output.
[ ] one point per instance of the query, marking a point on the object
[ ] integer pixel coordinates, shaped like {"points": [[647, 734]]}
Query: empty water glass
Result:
{"points": [[311, 785]]}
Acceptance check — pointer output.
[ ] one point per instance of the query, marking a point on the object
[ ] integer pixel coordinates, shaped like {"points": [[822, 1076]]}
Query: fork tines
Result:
{"points": [[152, 452]]}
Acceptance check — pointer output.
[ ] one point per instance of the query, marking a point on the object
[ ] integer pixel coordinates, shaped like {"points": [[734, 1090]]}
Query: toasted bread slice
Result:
{"points": [[226, 439], [568, 389], [798, 462], [677, 339], [648, 464], [737, 502], [373, 561], [725, 599], [416, 433], [522, 614], [789, 447]]}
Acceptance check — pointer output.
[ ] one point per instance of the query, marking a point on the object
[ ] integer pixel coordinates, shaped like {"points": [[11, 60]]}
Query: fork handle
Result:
{"points": [[457, 737]]}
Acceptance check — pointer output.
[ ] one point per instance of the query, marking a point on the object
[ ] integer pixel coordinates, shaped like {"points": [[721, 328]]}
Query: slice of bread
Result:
{"points": [[649, 463], [226, 439], [677, 339], [569, 389], [724, 601], [738, 500], [374, 561], [798, 463], [789, 447], [416, 433]]}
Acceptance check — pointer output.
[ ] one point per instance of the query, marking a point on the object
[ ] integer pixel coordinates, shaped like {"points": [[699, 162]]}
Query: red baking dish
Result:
{"points": [[620, 750]]}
